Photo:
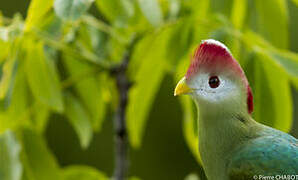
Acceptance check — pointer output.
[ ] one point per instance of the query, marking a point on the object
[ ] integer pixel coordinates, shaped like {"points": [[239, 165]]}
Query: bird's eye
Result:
{"points": [[214, 82]]}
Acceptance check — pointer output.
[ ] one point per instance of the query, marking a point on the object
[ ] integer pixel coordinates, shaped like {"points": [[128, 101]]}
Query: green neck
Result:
{"points": [[219, 134]]}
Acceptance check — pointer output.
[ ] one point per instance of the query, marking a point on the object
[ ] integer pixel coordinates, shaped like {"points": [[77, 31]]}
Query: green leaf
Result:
{"points": [[238, 13], [180, 40], [38, 161], [15, 112], [10, 166], [283, 58], [139, 52], [174, 8], [84, 37], [4, 45], [51, 26], [7, 79], [13, 31], [9, 70], [71, 9], [36, 11], [40, 116], [42, 77], [1, 19], [152, 11], [4, 35], [238, 16], [79, 119], [89, 87], [287, 60], [91, 40], [295, 2], [273, 21], [147, 81], [192, 176], [252, 39], [272, 94], [117, 11], [202, 8], [83, 172], [295, 82]]}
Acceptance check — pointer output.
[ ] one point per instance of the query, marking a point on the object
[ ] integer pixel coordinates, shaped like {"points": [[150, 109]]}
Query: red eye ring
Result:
{"points": [[214, 82]]}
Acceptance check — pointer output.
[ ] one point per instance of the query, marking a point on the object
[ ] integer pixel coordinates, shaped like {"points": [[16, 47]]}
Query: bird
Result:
{"points": [[232, 145]]}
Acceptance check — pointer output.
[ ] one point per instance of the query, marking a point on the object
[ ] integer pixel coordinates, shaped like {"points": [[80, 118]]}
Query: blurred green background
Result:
{"points": [[58, 100]]}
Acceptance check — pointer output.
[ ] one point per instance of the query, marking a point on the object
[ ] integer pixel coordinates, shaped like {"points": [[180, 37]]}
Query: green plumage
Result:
{"points": [[272, 153]]}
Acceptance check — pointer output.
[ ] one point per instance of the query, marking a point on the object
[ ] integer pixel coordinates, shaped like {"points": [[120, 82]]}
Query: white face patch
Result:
{"points": [[228, 92]]}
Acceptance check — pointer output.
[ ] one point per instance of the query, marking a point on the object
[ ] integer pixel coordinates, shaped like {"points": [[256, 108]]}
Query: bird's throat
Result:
{"points": [[219, 133]]}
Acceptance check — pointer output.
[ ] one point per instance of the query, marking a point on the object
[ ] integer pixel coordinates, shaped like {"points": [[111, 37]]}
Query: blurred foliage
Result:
{"points": [[57, 60]]}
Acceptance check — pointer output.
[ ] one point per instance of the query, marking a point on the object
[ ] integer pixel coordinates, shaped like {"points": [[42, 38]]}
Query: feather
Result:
{"points": [[272, 153], [214, 57]]}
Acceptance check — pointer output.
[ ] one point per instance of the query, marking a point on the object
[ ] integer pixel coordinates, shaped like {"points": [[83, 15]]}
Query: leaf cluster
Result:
{"points": [[58, 60]]}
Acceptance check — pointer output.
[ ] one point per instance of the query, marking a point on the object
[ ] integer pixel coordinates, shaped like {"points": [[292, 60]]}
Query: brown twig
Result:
{"points": [[123, 85]]}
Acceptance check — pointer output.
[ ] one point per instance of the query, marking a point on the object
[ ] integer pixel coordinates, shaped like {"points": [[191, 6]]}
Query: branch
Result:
{"points": [[123, 85]]}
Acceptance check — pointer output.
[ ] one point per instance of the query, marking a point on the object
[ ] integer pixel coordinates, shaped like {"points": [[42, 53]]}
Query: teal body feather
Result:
{"points": [[273, 153]]}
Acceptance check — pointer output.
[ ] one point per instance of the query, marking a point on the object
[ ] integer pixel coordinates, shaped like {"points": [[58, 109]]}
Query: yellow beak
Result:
{"points": [[182, 88]]}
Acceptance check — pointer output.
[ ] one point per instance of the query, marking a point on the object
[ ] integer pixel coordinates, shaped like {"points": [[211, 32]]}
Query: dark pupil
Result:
{"points": [[213, 82]]}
